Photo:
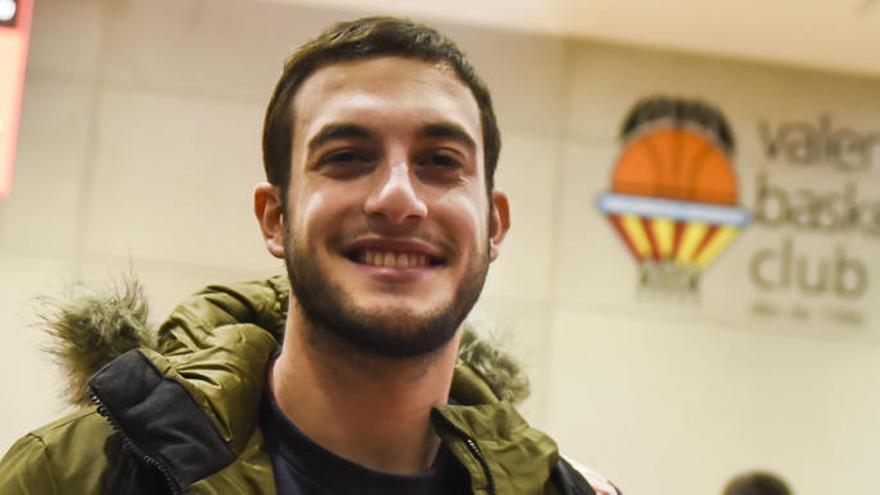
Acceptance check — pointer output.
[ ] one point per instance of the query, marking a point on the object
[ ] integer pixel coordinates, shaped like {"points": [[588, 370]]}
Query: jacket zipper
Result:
{"points": [[127, 443], [473, 448], [478, 454]]}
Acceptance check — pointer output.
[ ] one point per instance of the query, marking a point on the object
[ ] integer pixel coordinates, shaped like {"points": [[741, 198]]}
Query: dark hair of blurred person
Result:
{"points": [[757, 483]]}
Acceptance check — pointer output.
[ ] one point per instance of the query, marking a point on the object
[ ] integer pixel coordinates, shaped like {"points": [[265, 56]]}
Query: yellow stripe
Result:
{"points": [[664, 234], [634, 229], [693, 234], [722, 239]]}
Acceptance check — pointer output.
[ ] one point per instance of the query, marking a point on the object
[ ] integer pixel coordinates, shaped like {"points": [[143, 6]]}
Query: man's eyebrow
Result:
{"points": [[449, 131], [339, 131]]}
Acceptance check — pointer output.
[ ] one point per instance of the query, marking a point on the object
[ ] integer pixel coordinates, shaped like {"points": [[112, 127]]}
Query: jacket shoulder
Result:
{"points": [[573, 473], [69, 455]]}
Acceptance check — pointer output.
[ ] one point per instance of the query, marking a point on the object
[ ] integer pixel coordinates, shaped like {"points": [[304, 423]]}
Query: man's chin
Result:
{"points": [[396, 314], [397, 321], [398, 345]]}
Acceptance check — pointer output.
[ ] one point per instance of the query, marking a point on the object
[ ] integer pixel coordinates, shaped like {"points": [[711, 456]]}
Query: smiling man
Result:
{"points": [[355, 374]]}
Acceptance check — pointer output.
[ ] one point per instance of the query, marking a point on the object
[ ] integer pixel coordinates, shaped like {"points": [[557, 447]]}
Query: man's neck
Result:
{"points": [[369, 409]]}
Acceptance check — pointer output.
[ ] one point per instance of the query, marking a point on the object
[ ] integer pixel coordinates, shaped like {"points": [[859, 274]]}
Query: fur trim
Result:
{"points": [[498, 369], [88, 328]]}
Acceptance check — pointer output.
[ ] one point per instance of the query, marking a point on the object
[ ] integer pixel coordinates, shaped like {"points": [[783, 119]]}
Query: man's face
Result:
{"points": [[388, 228]]}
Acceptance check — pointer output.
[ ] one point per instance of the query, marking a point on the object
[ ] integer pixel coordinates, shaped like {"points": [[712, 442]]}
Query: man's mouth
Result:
{"points": [[390, 259], [393, 254]]}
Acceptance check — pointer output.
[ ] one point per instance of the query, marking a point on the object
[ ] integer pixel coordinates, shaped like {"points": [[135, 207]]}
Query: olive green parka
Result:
{"points": [[175, 411]]}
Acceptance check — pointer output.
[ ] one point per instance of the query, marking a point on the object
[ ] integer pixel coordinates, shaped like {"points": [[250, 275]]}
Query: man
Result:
{"points": [[380, 146]]}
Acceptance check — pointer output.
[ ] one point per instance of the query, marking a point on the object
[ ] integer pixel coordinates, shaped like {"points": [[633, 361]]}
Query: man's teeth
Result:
{"points": [[394, 260]]}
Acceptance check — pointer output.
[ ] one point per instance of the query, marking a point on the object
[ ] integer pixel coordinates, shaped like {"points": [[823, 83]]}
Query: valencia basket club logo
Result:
{"points": [[673, 197]]}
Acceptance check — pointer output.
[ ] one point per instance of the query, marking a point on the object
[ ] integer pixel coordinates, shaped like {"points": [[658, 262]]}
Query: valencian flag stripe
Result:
{"points": [[15, 24]]}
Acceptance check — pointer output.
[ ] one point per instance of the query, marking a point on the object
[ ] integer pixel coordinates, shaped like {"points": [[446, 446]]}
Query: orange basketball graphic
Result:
{"points": [[675, 164], [673, 197]]}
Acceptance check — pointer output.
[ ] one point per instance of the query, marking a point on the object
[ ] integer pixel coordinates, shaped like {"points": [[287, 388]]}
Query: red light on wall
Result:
{"points": [[15, 26]]}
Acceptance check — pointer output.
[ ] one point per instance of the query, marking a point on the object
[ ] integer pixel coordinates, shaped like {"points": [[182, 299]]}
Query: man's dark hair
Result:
{"points": [[757, 483], [360, 39]]}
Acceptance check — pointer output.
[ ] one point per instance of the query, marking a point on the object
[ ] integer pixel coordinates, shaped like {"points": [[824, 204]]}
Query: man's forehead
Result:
{"points": [[380, 70], [346, 89]]}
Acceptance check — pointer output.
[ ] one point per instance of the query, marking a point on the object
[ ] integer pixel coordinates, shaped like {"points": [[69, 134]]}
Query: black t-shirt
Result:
{"points": [[302, 467]]}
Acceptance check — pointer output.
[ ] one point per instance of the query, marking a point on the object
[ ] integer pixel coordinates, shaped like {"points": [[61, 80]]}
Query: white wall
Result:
{"points": [[140, 145]]}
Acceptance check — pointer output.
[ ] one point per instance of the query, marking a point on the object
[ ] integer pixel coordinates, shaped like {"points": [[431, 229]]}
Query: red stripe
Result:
{"points": [[710, 233], [679, 235], [652, 239], [618, 226]]}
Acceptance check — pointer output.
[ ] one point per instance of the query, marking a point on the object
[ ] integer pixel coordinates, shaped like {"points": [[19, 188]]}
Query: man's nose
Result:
{"points": [[396, 198]]}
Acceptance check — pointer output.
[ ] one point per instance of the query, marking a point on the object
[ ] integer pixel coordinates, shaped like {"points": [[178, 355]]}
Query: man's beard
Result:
{"points": [[387, 332]]}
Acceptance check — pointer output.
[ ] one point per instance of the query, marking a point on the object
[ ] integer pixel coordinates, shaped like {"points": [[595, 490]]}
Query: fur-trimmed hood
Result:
{"points": [[91, 326]]}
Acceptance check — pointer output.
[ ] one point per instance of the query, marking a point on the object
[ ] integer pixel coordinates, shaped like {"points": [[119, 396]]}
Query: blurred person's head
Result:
{"points": [[757, 483], [363, 39]]}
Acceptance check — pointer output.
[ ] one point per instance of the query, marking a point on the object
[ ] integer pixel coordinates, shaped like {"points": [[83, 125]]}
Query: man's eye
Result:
{"points": [[443, 160], [345, 164], [345, 157]]}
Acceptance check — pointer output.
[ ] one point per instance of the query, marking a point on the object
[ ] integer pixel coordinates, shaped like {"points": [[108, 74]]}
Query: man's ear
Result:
{"points": [[270, 215], [499, 222]]}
